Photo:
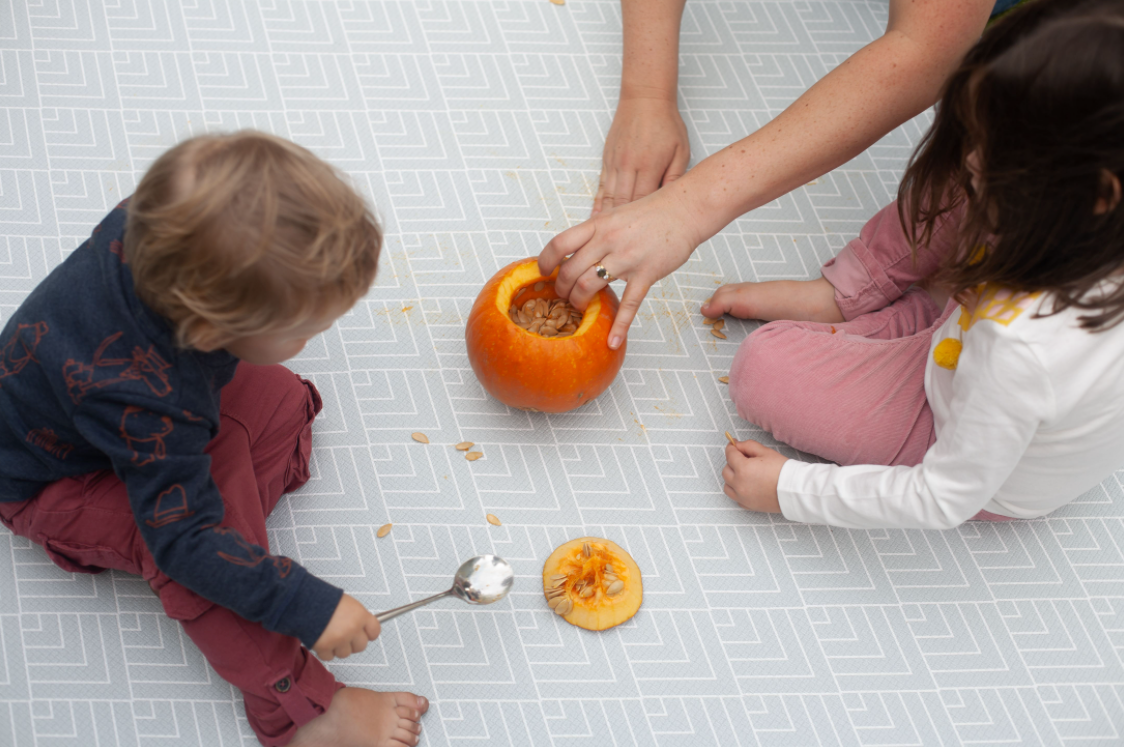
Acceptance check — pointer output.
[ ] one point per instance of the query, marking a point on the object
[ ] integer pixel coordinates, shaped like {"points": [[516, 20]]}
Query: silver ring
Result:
{"points": [[603, 273]]}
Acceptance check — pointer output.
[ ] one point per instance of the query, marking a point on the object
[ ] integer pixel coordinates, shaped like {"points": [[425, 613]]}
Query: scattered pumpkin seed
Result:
{"points": [[707, 320], [718, 334], [731, 438], [558, 2], [421, 438], [472, 456], [383, 530], [564, 607], [494, 520], [464, 446], [719, 324], [724, 379], [615, 588]]}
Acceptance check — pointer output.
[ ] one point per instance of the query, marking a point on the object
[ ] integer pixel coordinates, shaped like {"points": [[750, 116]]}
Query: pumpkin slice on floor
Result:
{"points": [[592, 583]]}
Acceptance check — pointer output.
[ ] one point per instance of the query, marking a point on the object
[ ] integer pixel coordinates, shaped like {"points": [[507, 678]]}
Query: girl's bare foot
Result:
{"points": [[365, 718], [796, 300]]}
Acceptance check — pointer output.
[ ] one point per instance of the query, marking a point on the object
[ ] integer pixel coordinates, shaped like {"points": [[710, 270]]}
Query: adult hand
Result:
{"points": [[646, 148], [352, 626], [640, 242], [752, 472]]}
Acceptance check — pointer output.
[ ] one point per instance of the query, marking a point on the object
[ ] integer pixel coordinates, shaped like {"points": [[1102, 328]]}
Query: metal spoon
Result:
{"points": [[480, 580]]}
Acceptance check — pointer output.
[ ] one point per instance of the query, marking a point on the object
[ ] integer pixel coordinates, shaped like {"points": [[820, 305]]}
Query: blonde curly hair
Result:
{"points": [[232, 235]]}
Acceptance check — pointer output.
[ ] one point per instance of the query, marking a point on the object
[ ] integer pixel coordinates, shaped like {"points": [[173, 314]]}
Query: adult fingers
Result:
{"points": [[647, 182], [567, 242], [599, 198], [585, 287], [623, 190], [631, 299]]}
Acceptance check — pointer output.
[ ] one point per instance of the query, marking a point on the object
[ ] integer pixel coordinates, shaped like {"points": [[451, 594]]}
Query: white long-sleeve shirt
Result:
{"points": [[1031, 417]]}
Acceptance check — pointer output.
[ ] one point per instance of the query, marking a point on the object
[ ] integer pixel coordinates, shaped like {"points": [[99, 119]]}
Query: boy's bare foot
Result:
{"points": [[365, 718], [796, 300]]}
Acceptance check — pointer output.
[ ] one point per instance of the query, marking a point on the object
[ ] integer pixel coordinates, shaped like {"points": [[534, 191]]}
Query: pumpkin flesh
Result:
{"points": [[599, 611]]}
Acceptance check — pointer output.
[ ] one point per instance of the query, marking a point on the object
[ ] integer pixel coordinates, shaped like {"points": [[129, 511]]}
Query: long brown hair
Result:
{"points": [[1040, 99]]}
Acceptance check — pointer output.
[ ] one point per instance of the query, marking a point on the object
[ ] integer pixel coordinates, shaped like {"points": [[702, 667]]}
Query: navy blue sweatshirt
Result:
{"points": [[91, 379]]}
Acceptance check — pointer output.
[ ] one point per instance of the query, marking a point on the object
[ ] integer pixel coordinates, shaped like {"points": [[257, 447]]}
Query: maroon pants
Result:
{"points": [[261, 451]]}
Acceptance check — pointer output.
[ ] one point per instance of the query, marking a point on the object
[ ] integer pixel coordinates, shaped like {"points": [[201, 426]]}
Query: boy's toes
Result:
{"points": [[409, 706], [403, 737]]}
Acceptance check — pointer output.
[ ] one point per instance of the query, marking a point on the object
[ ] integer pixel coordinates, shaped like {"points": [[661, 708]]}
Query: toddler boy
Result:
{"points": [[146, 426]]}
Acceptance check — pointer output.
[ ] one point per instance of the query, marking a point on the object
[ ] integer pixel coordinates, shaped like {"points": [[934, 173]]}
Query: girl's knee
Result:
{"points": [[762, 368]]}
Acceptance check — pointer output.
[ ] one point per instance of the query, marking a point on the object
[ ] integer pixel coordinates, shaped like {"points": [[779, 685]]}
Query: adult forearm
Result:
{"points": [[650, 63], [875, 90]]}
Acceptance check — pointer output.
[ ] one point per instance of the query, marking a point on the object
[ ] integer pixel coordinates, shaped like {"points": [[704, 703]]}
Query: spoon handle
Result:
{"points": [[391, 614]]}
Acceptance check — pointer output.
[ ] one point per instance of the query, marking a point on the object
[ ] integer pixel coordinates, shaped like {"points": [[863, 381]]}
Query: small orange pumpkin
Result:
{"points": [[530, 372]]}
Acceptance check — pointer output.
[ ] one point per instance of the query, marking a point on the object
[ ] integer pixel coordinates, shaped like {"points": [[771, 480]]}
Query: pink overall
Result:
{"points": [[854, 392], [261, 451]]}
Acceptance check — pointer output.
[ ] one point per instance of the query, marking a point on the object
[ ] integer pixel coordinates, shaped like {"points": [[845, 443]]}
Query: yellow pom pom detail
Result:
{"points": [[947, 353]]}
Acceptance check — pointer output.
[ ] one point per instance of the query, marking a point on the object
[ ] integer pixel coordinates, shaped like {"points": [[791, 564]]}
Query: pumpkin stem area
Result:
{"points": [[526, 283]]}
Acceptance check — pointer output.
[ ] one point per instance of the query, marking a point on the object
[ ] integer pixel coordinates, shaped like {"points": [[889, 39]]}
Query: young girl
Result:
{"points": [[971, 366]]}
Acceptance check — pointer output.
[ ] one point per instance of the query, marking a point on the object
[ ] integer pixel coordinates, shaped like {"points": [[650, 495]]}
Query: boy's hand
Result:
{"points": [[352, 626], [751, 474]]}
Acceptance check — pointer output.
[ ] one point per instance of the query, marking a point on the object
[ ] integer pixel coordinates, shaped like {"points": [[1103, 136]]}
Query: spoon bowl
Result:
{"points": [[483, 579]]}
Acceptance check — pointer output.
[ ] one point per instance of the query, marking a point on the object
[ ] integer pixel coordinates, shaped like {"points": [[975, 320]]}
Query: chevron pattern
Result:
{"points": [[475, 127]]}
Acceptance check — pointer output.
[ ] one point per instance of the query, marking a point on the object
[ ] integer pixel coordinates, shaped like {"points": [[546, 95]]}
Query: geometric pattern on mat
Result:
{"points": [[476, 130]]}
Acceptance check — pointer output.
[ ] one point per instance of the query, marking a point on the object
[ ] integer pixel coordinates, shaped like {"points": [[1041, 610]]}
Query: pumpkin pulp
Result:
{"points": [[600, 610]]}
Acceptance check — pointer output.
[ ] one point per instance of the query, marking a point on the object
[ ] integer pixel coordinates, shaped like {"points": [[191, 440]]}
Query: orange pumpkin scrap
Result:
{"points": [[592, 583], [530, 372]]}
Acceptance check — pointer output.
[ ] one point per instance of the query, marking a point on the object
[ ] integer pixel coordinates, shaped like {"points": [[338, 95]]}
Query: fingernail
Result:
{"points": [[614, 342]]}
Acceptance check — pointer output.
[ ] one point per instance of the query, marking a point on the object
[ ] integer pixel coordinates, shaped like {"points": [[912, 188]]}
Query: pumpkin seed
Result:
{"points": [[557, 582], [731, 438], [564, 607], [546, 318], [494, 520], [724, 379], [719, 323], [383, 530], [553, 603], [710, 321], [472, 456], [464, 446], [587, 550], [559, 577], [520, 293], [421, 438], [539, 286], [558, 2], [587, 592], [615, 588], [718, 334], [555, 592]]}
